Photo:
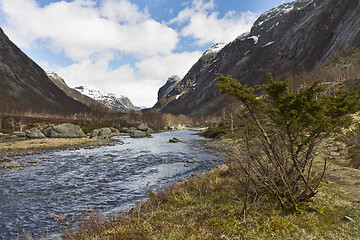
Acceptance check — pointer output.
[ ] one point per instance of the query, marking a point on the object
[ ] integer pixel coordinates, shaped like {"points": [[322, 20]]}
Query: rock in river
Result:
{"points": [[174, 140], [138, 134]]}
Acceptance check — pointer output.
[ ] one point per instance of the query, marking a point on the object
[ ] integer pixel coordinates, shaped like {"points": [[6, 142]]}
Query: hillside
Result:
{"points": [[60, 83], [25, 87], [291, 41]]}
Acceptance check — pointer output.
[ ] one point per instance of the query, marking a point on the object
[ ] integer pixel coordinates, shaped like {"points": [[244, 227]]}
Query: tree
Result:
{"points": [[282, 135]]}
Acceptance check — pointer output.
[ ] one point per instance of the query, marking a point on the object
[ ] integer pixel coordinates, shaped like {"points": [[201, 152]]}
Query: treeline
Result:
{"points": [[11, 121]]}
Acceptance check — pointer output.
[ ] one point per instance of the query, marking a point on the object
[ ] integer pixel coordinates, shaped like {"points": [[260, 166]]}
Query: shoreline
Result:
{"points": [[12, 147]]}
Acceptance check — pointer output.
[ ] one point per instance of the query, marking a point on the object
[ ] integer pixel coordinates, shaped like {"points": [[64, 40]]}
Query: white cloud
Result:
{"points": [[140, 84], [163, 66], [202, 23], [80, 28], [94, 33]]}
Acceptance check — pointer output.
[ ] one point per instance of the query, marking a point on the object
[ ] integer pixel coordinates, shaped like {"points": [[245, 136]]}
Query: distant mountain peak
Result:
{"points": [[214, 48], [110, 100]]}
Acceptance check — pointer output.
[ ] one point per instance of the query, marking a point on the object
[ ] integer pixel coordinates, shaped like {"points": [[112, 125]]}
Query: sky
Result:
{"points": [[125, 47]]}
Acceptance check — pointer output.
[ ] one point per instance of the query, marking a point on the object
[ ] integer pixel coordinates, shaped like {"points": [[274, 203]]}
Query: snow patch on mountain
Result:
{"points": [[282, 9], [121, 103], [215, 48]]}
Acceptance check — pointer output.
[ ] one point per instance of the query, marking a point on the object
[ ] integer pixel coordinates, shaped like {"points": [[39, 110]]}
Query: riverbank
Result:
{"points": [[12, 146], [210, 206], [108, 179]]}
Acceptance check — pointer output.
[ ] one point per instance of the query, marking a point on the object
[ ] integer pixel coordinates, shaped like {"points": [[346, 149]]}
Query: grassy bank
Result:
{"points": [[45, 143], [210, 206]]}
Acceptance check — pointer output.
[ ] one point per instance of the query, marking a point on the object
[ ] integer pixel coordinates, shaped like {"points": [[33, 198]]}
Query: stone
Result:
{"points": [[19, 134], [125, 130], [143, 127], [138, 134], [132, 129], [114, 130], [174, 140], [110, 155], [104, 133], [148, 133], [64, 130], [12, 164], [94, 133], [34, 133]]}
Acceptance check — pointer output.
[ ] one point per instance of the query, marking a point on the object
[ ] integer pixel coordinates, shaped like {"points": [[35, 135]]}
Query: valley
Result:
{"points": [[258, 139]]}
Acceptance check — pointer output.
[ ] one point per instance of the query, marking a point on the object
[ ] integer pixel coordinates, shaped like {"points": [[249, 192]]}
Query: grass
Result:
{"points": [[44, 143], [210, 207]]}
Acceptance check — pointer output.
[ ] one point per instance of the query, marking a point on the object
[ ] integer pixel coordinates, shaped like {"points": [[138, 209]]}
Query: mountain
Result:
{"points": [[289, 41], [74, 94], [168, 86], [121, 103], [24, 86]]}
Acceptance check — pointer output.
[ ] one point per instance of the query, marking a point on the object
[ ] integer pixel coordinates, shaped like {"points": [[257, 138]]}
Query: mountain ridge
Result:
{"points": [[296, 37], [111, 101], [25, 87]]}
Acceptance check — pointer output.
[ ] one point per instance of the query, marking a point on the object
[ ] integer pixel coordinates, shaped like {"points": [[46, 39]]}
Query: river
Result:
{"points": [[109, 179]]}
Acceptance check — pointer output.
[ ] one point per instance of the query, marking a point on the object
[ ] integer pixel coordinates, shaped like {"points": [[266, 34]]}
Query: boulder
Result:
{"points": [[114, 130], [64, 130], [94, 133], [174, 140], [104, 133], [177, 127], [125, 130], [132, 129], [143, 127], [148, 133], [34, 133], [138, 134]]}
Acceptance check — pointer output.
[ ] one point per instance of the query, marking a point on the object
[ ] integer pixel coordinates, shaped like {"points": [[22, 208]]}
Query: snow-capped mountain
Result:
{"points": [[121, 103]]}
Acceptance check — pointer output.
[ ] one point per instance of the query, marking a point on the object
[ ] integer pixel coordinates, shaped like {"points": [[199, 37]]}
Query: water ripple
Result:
{"points": [[108, 178]]}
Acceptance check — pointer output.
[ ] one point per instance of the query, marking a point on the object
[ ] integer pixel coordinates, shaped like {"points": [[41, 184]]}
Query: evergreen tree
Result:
{"points": [[283, 133]]}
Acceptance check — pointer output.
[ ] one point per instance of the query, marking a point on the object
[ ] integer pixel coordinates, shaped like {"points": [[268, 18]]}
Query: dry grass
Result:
{"points": [[210, 207], [45, 143]]}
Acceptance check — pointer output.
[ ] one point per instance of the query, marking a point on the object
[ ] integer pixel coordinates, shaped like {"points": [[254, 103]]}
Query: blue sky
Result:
{"points": [[127, 47]]}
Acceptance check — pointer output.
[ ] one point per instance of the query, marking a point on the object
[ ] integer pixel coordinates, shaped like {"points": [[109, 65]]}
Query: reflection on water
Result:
{"points": [[108, 178]]}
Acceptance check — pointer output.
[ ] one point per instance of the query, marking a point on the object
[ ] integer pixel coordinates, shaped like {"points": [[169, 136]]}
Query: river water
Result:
{"points": [[109, 179]]}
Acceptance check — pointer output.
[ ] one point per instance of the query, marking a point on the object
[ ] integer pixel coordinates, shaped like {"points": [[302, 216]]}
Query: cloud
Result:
{"points": [[163, 66], [93, 34], [140, 82], [201, 22], [81, 28]]}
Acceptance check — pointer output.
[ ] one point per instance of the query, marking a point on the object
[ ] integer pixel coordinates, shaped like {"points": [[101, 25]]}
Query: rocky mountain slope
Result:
{"points": [[25, 87], [88, 101], [121, 103], [168, 86], [294, 38]]}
